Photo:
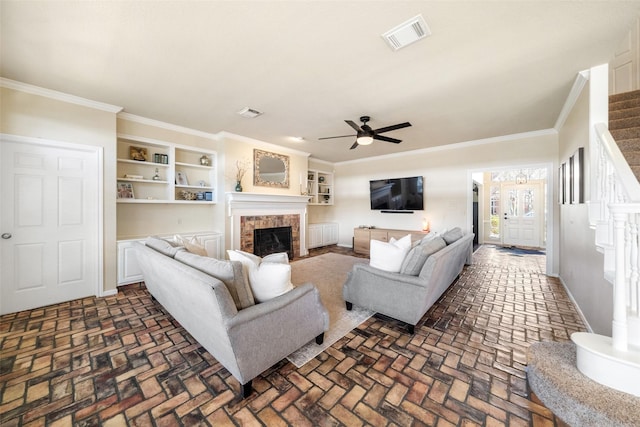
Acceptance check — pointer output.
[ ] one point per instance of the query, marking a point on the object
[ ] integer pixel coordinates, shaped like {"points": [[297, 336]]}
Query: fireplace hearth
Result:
{"points": [[272, 240]]}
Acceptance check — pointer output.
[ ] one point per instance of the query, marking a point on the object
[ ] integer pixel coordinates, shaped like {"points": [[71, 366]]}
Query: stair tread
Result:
{"points": [[624, 123], [624, 113], [624, 96], [627, 133], [554, 377], [625, 104]]}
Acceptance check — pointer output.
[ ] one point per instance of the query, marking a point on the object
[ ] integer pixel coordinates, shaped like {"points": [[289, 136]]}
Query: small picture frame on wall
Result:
{"points": [[125, 190], [138, 153], [561, 184], [181, 178], [577, 176]]}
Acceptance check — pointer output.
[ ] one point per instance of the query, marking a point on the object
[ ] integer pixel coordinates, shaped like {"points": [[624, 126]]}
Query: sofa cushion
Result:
{"points": [[229, 272], [388, 256], [192, 245], [163, 246], [452, 235], [268, 277], [415, 259]]}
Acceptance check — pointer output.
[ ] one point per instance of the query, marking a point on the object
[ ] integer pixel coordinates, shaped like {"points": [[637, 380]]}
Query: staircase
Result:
{"points": [[595, 380], [614, 212], [624, 125]]}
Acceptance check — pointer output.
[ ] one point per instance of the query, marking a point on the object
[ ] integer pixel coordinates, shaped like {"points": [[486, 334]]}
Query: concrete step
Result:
{"points": [[553, 376]]}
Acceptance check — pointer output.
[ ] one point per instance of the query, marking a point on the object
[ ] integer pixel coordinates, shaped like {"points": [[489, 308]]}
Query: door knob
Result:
{"points": [[6, 235]]}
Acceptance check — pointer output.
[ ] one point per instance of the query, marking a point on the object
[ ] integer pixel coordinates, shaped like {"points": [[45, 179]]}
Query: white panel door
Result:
{"points": [[49, 224], [624, 68], [522, 214]]}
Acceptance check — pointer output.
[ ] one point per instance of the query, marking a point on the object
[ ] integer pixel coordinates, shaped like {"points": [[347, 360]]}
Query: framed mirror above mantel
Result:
{"points": [[270, 169]]}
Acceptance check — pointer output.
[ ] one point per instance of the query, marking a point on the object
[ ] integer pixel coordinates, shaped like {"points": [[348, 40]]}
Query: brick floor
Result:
{"points": [[122, 360]]}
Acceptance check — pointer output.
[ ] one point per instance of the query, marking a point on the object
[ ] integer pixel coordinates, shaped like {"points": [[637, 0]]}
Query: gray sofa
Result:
{"points": [[246, 341], [404, 296]]}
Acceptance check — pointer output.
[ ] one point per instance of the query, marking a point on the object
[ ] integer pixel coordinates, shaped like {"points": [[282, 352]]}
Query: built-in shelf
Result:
{"points": [[171, 173], [320, 187]]}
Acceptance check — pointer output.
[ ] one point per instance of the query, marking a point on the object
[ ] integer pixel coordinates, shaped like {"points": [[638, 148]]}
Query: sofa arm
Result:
{"points": [[264, 334], [306, 292]]}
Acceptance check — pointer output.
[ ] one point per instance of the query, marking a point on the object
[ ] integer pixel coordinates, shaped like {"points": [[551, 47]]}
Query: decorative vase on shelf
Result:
{"points": [[238, 186]]}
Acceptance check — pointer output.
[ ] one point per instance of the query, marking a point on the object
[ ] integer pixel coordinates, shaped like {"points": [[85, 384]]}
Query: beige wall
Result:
{"points": [[37, 116], [447, 181], [140, 220], [581, 265], [239, 148]]}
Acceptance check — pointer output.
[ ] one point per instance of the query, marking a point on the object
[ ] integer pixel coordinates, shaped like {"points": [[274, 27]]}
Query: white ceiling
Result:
{"points": [[490, 68]]}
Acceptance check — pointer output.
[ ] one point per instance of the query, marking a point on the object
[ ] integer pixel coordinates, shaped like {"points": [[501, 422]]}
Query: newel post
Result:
{"points": [[619, 324]]}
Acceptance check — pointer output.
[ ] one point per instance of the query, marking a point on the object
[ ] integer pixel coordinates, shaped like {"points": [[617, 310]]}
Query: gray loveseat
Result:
{"points": [[407, 295], [246, 341]]}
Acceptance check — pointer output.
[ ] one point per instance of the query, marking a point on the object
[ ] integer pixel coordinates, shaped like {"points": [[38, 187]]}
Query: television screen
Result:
{"points": [[397, 194]]}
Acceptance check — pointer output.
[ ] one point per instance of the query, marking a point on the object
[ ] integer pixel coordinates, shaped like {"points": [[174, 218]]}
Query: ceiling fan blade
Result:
{"points": [[387, 139], [394, 127], [355, 144], [331, 137], [353, 125]]}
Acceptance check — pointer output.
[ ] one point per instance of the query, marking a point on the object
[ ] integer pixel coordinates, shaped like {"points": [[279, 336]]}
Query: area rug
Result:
{"points": [[328, 272]]}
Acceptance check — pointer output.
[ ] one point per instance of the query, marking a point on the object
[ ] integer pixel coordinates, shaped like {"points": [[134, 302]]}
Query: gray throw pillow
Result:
{"points": [[163, 246], [415, 259], [452, 235], [229, 272]]}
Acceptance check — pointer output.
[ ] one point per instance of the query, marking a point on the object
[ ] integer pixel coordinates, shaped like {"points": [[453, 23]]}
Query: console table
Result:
{"points": [[362, 237]]}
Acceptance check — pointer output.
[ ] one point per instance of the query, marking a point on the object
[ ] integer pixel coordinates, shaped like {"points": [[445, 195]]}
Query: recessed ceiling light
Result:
{"points": [[297, 138], [249, 112]]}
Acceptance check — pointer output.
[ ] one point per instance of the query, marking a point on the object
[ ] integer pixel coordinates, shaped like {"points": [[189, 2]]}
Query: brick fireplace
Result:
{"points": [[249, 211]]}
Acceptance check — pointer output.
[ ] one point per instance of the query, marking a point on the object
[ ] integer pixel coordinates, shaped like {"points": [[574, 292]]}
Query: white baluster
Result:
{"points": [[632, 303]]}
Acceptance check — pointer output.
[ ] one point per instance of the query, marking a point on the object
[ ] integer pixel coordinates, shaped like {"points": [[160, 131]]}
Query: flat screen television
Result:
{"points": [[397, 194]]}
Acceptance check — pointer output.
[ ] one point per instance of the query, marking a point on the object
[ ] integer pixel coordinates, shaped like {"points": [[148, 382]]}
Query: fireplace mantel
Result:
{"points": [[259, 204]]}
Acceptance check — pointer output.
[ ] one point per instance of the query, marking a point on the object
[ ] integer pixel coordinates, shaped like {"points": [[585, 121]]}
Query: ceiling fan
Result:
{"points": [[365, 135]]}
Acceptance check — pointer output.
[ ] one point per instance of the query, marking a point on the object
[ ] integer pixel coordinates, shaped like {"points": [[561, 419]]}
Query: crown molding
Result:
{"points": [[167, 126], [324, 162], [58, 96], [581, 80], [262, 144], [457, 146]]}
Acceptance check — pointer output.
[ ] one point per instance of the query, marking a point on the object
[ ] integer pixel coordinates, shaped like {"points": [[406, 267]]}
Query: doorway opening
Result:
{"points": [[510, 207]]}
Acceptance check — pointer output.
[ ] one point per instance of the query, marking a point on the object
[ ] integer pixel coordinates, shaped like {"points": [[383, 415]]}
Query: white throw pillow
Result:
{"points": [[268, 277], [192, 245], [388, 256]]}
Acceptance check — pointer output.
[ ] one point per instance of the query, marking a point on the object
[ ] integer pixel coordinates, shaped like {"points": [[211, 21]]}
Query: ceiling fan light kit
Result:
{"points": [[364, 140], [365, 135]]}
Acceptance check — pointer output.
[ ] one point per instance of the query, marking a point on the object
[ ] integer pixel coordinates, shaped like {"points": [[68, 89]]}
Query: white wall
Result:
{"points": [[581, 265], [447, 180], [32, 115]]}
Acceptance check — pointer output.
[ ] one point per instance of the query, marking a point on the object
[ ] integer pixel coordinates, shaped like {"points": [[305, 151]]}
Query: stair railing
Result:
{"points": [[617, 191]]}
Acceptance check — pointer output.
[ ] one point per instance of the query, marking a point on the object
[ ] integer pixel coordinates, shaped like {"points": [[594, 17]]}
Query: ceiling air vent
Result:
{"points": [[406, 33], [249, 113]]}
